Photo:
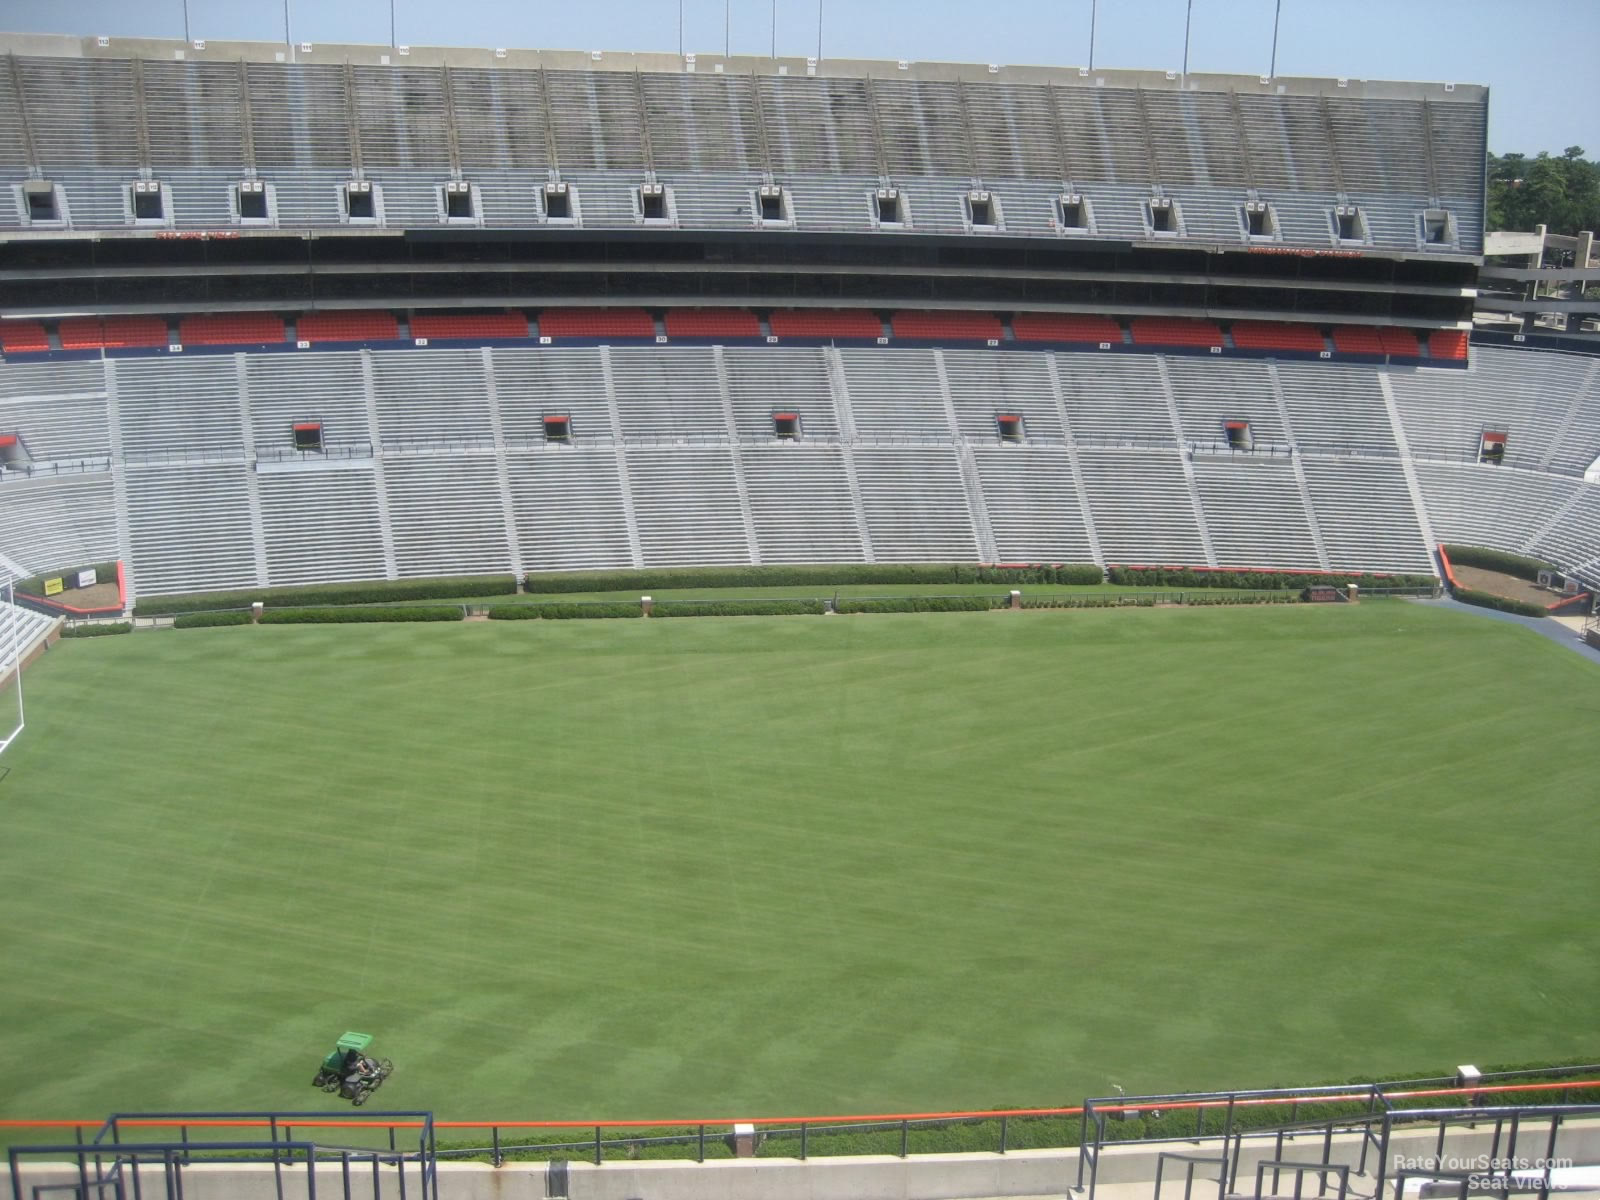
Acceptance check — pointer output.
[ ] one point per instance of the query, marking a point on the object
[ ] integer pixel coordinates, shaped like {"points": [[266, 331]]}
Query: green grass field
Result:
{"points": [[758, 866]]}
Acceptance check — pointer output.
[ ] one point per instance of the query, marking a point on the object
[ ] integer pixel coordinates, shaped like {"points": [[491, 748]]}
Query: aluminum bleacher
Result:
{"points": [[437, 461]]}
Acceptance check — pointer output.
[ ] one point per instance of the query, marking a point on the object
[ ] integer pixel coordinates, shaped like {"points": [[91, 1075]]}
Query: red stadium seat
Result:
{"points": [[21, 337], [1276, 335], [1357, 339], [231, 329], [93, 333], [596, 322], [971, 326], [712, 322], [1400, 342], [467, 326], [1065, 327], [347, 327], [1175, 331], [1448, 343], [826, 323]]}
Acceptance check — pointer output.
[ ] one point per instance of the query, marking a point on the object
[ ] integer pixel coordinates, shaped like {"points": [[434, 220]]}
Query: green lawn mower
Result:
{"points": [[350, 1071]]}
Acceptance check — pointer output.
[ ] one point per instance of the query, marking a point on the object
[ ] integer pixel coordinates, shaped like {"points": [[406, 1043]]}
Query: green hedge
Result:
{"points": [[833, 575], [1196, 599], [105, 572], [356, 616], [323, 595], [733, 608], [99, 629], [208, 620], [1502, 603], [1496, 560], [562, 612], [900, 604], [1187, 577]]}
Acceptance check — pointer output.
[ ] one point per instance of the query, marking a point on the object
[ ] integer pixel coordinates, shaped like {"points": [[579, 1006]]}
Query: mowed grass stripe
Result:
{"points": [[637, 868]]}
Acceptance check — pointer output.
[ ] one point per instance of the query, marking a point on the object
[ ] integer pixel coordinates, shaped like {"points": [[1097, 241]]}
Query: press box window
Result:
{"points": [[251, 196], [558, 428], [889, 207], [786, 426], [458, 201], [40, 199], [1010, 427], [1239, 435], [360, 201], [1492, 448], [1349, 224], [981, 210], [148, 202], [557, 202], [1074, 212], [308, 437]]}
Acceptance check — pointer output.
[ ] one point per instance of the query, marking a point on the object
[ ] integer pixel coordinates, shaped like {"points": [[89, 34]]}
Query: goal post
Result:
{"points": [[11, 649]]}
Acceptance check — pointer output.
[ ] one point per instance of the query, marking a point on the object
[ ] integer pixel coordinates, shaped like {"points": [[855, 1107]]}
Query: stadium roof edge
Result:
{"points": [[68, 46]]}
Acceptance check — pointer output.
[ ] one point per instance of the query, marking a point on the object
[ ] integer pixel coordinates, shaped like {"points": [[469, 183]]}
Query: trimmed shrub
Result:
{"points": [[105, 572], [736, 608], [356, 616], [1502, 603], [99, 629], [207, 620], [826, 575], [1497, 560], [562, 612], [380, 591], [897, 604], [1190, 577]]}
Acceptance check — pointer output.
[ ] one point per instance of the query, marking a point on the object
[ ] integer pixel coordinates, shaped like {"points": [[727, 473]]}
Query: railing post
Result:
{"points": [[802, 1141], [1002, 1135], [495, 1134], [905, 1128], [597, 1155], [701, 1157]]}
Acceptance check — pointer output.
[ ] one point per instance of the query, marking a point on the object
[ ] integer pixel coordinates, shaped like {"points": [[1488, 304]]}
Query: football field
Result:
{"points": [[764, 866]]}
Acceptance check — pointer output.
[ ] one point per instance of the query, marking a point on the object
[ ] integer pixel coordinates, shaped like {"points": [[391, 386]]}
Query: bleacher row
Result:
{"points": [[335, 326], [436, 462], [93, 122]]}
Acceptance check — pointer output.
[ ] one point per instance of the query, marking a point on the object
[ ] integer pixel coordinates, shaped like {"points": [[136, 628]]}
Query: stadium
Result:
{"points": [[1068, 470]]}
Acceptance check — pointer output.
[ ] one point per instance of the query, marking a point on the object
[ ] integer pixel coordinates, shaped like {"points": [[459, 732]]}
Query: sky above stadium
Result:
{"points": [[1538, 56]]}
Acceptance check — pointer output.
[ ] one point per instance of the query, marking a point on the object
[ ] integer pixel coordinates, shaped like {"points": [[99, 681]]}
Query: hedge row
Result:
{"points": [[835, 575], [901, 604], [323, 595], [207, 620], [99, 629], [1496, 560], [731, 608], [1185, 577], [1503, 603], [356, 616], [1188, 599], [562, 612], [104, 572]]}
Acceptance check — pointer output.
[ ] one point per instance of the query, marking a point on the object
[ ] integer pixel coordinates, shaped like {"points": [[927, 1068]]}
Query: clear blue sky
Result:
{"points": [[1538, 56]]}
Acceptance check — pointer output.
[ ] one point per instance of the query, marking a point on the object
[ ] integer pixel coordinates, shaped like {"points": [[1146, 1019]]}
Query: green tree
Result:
{"points": [[1561, 193]]}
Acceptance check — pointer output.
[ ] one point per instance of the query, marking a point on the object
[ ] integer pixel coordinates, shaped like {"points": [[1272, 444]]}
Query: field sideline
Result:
{"points": [[758, 866]]}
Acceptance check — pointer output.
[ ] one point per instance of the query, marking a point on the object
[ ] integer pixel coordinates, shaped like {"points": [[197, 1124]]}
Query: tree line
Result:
{"points": [[1562, 192]]}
